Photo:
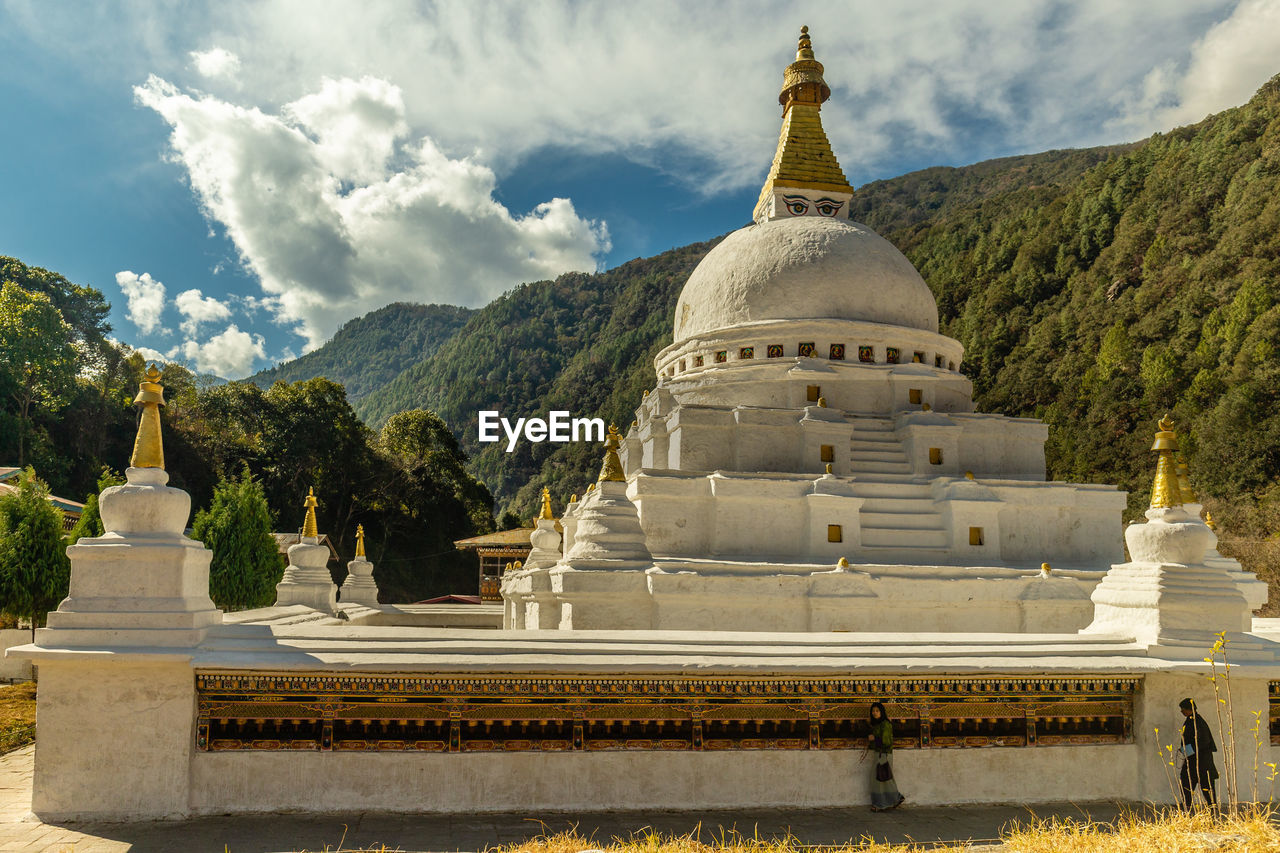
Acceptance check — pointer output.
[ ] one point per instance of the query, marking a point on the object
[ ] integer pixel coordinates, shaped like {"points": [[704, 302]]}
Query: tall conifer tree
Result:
{"points": [[34, 568], [237, 528]]}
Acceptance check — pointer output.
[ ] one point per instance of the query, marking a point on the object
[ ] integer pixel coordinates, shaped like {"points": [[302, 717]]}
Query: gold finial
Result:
{"points": [[842, 563], [507, 568], [804, 159], [1164, 491], [1208, 520], [1045, 569], [634, 424], [925, 407], [148, 446], [828, 467], [1184, 478], [968, 475], [517, 565], [611, 470], [822, 402], [646, 393], [591, 488], [546, 504], [360, 540], [573, 499], [309, 529]]}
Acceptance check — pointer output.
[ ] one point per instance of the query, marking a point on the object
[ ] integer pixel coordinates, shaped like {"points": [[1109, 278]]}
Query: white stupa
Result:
{"points": [[808, 410]]}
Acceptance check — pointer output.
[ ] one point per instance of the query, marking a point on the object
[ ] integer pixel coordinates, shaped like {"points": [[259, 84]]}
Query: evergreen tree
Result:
{"points": [[34, 568], [90, 523], [237, 528]]}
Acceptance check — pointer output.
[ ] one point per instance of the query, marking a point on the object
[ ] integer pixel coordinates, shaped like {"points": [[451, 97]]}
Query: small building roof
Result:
{"points": [[68, 506], [451, 599], [517, 537]]}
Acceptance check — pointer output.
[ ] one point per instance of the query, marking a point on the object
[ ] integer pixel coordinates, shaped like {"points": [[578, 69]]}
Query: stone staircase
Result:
{"points": [[899, 520]]}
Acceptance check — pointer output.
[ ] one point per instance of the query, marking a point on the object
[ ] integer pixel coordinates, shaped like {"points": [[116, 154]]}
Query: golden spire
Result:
{"points": [[573, 499], [842, 563], [1209, 522], [611, 470], [1164, 491], [148, 447], [309, 529], [804, 159], [359, 540], [546, 504]]}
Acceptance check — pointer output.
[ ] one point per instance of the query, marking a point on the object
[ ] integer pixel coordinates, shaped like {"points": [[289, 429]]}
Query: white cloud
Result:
{"points": [[152, 355], [146, 299], [216, 63], [196, 308], [229, 354], [338, 213], [1225, 67]]}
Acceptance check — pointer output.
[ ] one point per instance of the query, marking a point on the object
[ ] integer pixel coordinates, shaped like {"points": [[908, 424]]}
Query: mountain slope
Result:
{"points": [[369, 351], [584, 343]]}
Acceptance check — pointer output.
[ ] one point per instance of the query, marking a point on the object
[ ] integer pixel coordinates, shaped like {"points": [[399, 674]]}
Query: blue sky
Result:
{"points": [[240, 179]]}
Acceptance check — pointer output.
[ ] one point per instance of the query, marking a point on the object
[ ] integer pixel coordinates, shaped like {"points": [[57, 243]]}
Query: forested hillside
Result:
{"points": [[369, 351], [583, 342], [66, 410]]}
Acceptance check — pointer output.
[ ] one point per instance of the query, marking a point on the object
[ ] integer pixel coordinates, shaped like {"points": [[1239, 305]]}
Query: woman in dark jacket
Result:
{"points": [[884, 790], [1197, 750]]}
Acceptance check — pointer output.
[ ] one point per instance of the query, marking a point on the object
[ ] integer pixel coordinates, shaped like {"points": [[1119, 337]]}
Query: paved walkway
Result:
{"points": [[291, 832]]}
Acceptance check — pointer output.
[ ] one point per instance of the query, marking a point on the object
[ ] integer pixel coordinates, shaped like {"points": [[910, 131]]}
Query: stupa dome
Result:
{"points": [[804, 268]]}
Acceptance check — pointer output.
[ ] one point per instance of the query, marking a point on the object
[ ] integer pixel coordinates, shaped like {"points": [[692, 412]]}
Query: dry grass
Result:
{"points": [[17, 716], [1172, 832]]}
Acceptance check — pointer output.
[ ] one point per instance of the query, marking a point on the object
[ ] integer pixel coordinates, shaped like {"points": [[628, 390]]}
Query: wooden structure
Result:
{"points": [[495, 551]]}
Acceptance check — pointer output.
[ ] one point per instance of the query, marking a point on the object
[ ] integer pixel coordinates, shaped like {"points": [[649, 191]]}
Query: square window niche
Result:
{"points": [[697, 361], [827, 452], [937, 361], [812, 393], [914, 396], [867, 355], [917, 357], [891, 355], [747, 352], [722, 356], [935, 455], [837, 352], [835, 533], [775, 351], [975, 536], [680, 366], [806, 349]]}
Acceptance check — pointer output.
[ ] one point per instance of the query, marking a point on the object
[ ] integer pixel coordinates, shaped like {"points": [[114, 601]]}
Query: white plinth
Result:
{"points": [[307, 580], [359, 587]]}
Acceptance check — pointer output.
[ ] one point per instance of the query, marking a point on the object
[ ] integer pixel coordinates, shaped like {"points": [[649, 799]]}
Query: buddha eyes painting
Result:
{"points": [[796, 205], [799, 206]]}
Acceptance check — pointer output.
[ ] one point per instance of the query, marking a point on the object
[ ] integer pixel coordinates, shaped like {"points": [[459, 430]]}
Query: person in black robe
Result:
{"points": [[1198, 748]]}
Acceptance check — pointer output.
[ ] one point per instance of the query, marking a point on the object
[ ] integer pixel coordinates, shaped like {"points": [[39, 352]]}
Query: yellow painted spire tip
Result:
{"points": [[148, 445], [546, 504], [309, 528]]}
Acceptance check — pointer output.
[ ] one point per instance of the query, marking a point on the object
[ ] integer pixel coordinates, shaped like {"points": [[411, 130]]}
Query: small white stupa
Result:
{"points": [[360, 587], [307, 580], [544, 538], [143, 582], [1167, 596]]}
